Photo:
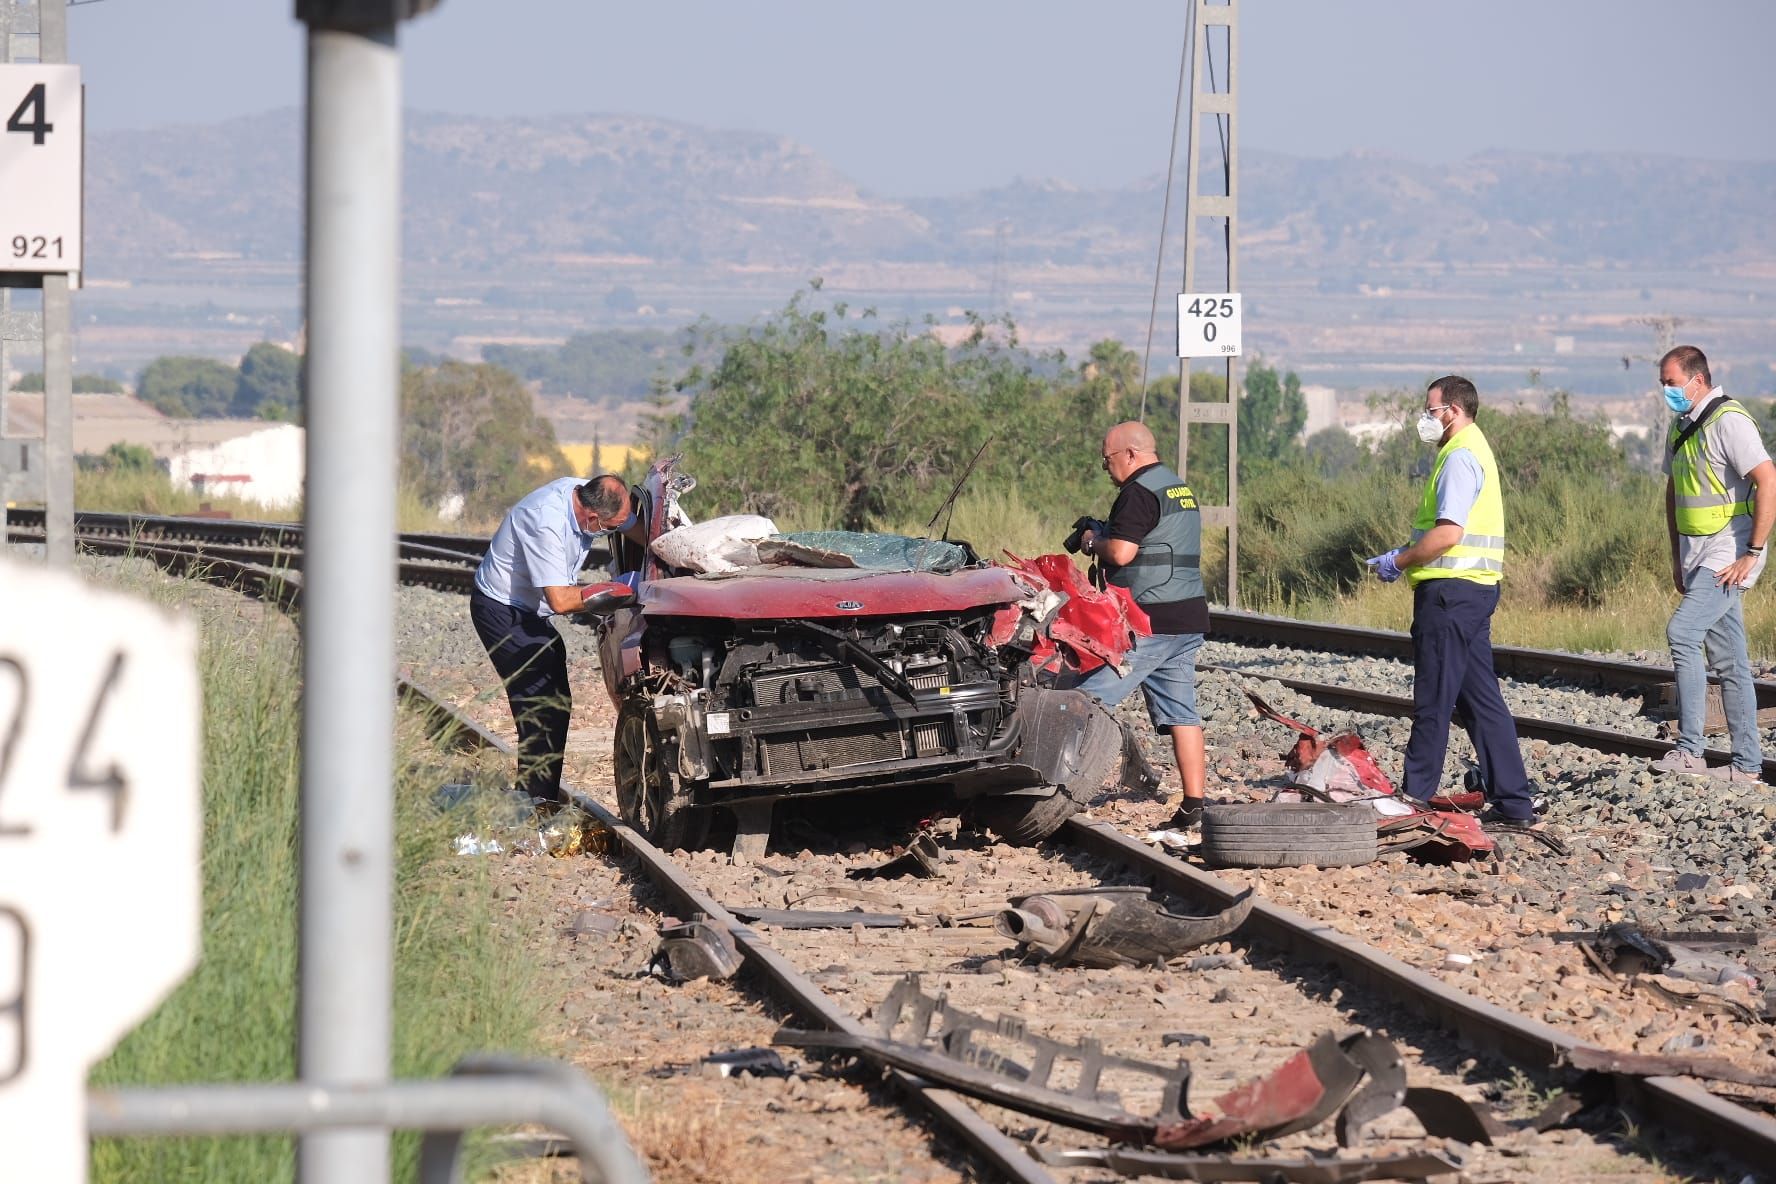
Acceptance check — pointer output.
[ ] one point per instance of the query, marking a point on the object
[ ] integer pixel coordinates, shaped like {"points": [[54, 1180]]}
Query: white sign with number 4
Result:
{"points": [[1209, 325], [41, 155], [100, 843]]}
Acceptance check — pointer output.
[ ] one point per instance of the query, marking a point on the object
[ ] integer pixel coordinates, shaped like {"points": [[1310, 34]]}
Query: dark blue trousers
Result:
{"points": [[532, 662], [1453, 677]]}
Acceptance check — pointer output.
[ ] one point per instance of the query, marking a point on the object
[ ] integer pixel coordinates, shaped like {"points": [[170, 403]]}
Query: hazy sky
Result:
{"points": [[927, 97]]}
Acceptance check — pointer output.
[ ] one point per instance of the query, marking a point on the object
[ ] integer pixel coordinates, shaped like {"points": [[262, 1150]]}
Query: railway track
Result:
{"points": [[1288, 947]]}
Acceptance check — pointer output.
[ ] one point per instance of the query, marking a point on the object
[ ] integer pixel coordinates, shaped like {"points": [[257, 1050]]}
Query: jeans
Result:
{"points": [[532, 661], [1453, 676], [1711, 619], [1164, 667]]}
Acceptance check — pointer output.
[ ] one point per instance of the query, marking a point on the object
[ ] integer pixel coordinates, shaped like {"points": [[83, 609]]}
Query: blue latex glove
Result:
{"points": [[1384, 566]]}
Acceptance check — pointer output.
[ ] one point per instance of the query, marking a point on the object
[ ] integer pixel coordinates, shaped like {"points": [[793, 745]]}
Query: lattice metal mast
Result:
{"points": [[1214, 93]]}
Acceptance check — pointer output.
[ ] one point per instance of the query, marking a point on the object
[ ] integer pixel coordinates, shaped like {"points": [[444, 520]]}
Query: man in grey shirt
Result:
{"points": [[1720, 504]]}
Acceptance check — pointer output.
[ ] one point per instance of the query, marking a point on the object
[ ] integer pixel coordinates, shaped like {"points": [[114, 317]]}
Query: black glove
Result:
{"points": [[1072, 541]]}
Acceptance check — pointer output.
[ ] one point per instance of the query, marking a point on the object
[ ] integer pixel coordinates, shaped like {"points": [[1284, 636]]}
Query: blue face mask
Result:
{"points": [[1677, 400]]}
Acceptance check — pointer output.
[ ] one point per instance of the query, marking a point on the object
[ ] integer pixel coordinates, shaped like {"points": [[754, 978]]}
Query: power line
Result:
{"points": [[1166, 210]]}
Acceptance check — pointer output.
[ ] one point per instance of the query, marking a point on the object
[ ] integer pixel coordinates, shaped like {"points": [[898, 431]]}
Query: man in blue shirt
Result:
{"points": [[529, 574]]}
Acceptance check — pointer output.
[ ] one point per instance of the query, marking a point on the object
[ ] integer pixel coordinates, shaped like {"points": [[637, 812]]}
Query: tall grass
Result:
{"points": [[459, 985]]}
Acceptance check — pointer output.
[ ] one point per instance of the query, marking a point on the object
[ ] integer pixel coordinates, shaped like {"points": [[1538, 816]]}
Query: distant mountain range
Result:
{"points": [[499, 193], [1362, 271]]}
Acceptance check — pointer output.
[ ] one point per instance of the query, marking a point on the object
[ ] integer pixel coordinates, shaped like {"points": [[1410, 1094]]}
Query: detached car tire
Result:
{"points": [[1024, 821], [1288, 834], [649, 796]]}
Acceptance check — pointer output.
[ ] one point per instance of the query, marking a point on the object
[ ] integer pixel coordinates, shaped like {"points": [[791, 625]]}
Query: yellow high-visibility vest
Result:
{"points": [[1703, 504], [1480, 555]]}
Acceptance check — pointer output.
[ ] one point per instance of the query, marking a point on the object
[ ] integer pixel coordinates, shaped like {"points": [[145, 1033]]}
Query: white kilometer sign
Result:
{"points": [[41, 156], [100, 845], [1209, 325]]}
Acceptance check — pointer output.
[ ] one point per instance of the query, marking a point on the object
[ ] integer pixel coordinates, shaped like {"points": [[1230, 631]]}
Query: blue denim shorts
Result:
{"points": [[1164, 667]]}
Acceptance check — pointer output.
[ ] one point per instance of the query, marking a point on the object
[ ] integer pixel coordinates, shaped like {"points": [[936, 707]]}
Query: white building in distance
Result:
{"points": [[254, 459]]}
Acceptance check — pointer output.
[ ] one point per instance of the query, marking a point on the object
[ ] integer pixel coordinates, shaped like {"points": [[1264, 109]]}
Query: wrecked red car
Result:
{"points": [[784, 680]]}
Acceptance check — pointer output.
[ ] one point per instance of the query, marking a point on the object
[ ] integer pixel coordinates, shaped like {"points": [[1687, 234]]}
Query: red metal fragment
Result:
{"points": [[1305, 1091], [1092, 628]]}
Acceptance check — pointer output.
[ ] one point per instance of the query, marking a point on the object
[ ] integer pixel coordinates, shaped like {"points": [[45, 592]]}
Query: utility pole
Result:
{"points": [[37, 31], [352, 307], [1208, 323]]}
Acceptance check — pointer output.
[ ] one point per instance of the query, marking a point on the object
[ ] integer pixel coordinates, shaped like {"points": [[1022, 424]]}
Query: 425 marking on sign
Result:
{"points": [[1209, 325]]}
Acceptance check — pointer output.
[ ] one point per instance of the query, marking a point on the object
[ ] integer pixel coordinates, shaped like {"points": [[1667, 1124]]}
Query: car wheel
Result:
{"points": [[1288, 834], [649, 796], [1024, 821]]}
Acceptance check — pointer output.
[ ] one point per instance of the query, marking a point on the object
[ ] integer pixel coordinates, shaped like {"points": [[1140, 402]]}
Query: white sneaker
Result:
{"points": [[1679, 761]]}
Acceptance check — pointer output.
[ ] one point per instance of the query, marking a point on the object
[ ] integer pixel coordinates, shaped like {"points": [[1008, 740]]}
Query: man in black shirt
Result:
{"points": [[1152, 546]]}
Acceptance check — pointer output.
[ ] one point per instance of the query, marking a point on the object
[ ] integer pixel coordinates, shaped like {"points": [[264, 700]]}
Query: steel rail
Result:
{"points": [[1528, 726], [235, 562], [1675, 1103], [1678, 1104], [783, 980], [987, 1141], [284, 535], [1519, 662]]}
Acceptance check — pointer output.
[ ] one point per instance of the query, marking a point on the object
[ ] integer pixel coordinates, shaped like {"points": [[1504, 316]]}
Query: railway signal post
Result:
{"points": [[1209, 317]]}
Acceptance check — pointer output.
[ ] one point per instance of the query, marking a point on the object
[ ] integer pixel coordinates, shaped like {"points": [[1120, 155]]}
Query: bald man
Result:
{"points": [[1152, 546]]}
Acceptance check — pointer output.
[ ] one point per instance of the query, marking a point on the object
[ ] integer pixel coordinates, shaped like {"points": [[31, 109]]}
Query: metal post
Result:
{"points": [[58, 352], [348, 659], [1208, 96]]}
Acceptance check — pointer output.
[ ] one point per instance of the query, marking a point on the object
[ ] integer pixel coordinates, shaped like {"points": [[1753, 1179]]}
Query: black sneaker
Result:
{"points": [[1189, 814]]}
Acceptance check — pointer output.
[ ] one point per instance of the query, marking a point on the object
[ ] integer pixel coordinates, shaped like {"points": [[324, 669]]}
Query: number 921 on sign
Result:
{"points": [[1209, 325], [40, 168]]}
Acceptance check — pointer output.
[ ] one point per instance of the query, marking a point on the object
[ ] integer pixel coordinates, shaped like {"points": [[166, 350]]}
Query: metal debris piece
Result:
{"points": [[1560, 1110], [817, 919], [1704, 1002], [1382, 1092], [698, 948], [1637, 1064], [1342, 770], [924, 1035], [1729, 939], [748, 1062], [1105, 929], [922, 858], [1305, 1091], [1628, 949], [844, 892], [1445, 1114], [1182, 1039], [1415, 1165]]}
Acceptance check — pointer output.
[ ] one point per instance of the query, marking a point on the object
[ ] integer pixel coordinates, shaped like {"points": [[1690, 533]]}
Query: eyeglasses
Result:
{"points": [[1108, 455], [1439, 407]]}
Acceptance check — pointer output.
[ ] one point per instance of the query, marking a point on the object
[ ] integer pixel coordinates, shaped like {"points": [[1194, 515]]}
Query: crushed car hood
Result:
{"points": [[772, 593]]}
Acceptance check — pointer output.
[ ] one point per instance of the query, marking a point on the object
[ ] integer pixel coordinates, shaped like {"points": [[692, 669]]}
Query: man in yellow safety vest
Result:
{"points": [[1720, 502], [1454, 563]]}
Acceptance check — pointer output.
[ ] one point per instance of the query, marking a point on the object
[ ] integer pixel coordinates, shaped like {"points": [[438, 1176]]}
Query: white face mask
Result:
{"points": [[1430, 428]]}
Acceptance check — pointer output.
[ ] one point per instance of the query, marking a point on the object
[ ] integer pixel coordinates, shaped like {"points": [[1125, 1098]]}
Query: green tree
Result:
{"points": [[814, 416], [84, 384], [1272, 413], [188, 388], [270, 384], [1114, 370], [473, 431], [1334, 452]]}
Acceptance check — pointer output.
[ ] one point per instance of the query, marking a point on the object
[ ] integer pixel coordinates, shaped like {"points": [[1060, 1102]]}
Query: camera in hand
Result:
{"points": [[1073, 541]]}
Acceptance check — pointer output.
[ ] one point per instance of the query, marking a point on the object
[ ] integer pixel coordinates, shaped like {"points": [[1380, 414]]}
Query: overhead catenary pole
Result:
{"points": [[58, 351], [352, 412], [1214, 93]]}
